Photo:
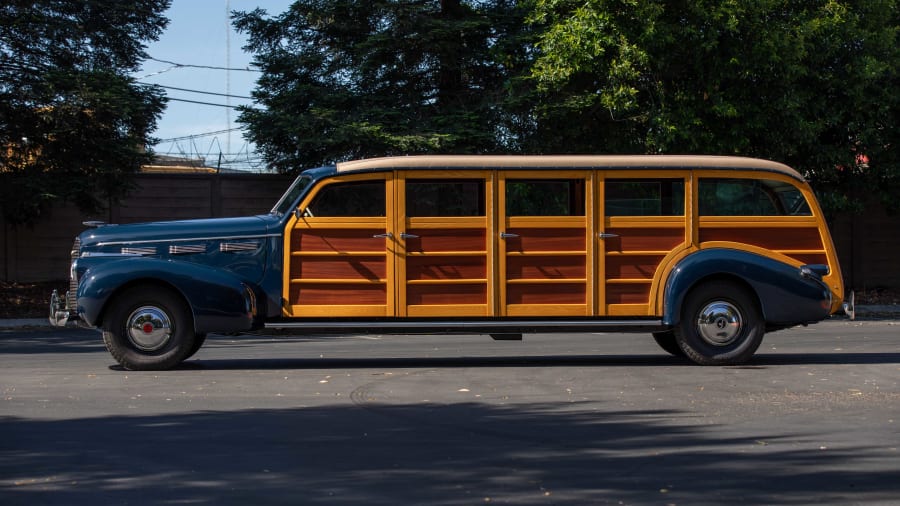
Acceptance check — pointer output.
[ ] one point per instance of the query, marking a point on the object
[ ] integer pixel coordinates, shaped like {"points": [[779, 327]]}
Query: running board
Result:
{"points": [[488, 326]]}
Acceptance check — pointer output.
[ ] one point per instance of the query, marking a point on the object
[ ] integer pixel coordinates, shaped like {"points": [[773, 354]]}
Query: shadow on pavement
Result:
{"points": [[466, 453]]}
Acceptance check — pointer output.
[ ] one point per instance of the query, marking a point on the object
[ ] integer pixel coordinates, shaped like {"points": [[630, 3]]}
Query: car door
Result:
{"points": [[544, 242], [340, 250]]}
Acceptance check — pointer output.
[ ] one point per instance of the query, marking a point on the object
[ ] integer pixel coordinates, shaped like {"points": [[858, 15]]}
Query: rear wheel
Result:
{"points": [[721, 324], [666, 340], [149, 328]]}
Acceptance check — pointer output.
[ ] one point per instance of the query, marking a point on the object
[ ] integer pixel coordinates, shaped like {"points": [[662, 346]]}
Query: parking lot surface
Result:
{"points": [[453, 420]]}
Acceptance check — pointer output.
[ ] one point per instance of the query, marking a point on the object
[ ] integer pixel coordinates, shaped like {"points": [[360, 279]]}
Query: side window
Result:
{"points": [[644, 197], [433, 197], [545, 197], [364, 198], [750, 197]]}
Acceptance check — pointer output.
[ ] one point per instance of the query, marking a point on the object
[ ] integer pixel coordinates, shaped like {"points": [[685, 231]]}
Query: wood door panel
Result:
{"points": [[437, 240], [545, 239], [337, 240], [546, 293], [546, 267], [372, 268], [644, 239], [445, 267], [315, 294], [443, 294]]}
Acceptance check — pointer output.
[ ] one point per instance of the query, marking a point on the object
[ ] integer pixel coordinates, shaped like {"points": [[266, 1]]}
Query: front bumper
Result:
{"points": [[61, 316], [849, 306]]}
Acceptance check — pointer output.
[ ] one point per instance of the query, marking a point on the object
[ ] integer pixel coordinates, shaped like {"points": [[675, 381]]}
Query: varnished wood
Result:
{"points": [[793, 238], [446, 267], [443, 294]]}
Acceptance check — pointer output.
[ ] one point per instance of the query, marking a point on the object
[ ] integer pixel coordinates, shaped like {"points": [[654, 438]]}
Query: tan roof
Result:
{"points": [[568, 161]]}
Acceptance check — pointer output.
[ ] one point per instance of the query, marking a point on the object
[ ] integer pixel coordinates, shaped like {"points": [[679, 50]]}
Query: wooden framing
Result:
{"points": [[524, 266]]}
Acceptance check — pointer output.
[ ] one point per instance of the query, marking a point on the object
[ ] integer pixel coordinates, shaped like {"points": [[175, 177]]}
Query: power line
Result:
{"points": [[196, 136], [201, 103], [203, 92], [211, 67]]}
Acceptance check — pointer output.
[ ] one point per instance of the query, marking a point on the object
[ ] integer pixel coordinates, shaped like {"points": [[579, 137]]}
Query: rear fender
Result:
{"points": [[786, 294]]}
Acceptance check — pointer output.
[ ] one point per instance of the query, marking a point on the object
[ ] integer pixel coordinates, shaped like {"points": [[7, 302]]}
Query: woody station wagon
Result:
{"points": [[706, 254]]}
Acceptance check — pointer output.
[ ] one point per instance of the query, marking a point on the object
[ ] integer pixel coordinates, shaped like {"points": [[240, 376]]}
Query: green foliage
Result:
{"points": [[73, 124], [810, 83], [351, 79]]}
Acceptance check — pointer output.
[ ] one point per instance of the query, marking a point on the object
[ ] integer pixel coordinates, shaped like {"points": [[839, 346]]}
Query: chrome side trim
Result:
{"points": [[189, 239], [492, 324], [88, 254]]}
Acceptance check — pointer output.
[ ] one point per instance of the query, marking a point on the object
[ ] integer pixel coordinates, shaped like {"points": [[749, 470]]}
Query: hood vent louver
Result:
{"points": [[187, 249], [139, 251], [235, 247]]}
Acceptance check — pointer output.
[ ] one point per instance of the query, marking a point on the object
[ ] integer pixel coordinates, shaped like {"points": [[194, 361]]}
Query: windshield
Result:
{"points": [[292, 194]]}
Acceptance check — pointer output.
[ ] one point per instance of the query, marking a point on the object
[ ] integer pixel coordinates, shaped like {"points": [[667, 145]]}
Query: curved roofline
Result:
{"points": [[568, 161]]}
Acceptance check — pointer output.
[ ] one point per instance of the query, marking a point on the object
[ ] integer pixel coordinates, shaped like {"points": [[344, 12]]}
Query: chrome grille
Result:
{"points": [[73, 277]]}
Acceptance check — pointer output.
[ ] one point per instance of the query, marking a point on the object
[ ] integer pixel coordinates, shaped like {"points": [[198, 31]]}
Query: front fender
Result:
{"points": [[219, 301], [786, 295]]}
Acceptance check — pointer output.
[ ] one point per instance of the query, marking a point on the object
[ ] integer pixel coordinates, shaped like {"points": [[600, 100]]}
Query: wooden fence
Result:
{"points": [[868, 244]]}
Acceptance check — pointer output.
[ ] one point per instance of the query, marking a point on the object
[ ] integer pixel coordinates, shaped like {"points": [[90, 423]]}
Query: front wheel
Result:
{"points": [[721, 324], [149, 328]]}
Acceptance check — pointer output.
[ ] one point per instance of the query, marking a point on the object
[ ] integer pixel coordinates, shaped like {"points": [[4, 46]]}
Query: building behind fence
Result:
{"points": [[867, 244]]}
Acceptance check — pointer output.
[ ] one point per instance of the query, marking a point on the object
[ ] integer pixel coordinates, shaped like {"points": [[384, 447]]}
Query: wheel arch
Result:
{"points": [[771, 283], [148, 282], [217, 300]]}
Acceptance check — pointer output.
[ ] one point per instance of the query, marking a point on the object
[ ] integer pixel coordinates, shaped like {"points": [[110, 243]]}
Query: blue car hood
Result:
{"points": [[185, 230]]}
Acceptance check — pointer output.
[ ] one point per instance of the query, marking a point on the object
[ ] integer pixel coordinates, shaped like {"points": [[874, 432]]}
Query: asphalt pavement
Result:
{"points": [[453, 420]]}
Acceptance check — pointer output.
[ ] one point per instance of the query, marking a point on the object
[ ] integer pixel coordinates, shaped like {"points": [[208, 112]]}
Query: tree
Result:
{"points": [[73, 124], [810, 83], [349, 79]]}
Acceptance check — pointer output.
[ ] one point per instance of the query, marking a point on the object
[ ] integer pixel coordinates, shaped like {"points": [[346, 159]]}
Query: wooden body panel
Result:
{"points": [[544, 261], [582, 264]]}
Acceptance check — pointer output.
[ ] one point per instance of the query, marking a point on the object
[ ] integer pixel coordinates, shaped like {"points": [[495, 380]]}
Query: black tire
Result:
{"points": [[721, 324], [149, 328], [666, 340], [199, 339]]}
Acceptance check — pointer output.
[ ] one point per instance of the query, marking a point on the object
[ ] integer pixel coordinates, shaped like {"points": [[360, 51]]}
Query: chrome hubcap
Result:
{"points": [[149, 328], [719, 323]]}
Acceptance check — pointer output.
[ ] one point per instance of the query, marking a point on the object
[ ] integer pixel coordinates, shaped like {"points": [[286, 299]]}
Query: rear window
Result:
{"points": [[750, 197]]}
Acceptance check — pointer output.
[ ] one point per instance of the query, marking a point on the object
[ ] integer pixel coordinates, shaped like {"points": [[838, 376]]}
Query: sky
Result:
{"points": [[200, 33]]}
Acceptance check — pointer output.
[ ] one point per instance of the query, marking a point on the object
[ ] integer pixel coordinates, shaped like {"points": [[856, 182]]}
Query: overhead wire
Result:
{"points": [[203, 92], [210, 67]]}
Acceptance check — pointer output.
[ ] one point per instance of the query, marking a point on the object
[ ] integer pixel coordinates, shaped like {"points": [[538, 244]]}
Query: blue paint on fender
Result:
{"points": [[785, 296], [218, 300]]}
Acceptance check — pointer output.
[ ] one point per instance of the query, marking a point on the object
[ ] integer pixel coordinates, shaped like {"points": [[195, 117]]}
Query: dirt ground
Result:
{"points": [[31, 300]]}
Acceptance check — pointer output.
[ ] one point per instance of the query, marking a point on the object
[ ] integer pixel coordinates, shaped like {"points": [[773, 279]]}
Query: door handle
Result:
{"points": [[386, 235], [404, 235], [604, 235], [507, 235]]}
